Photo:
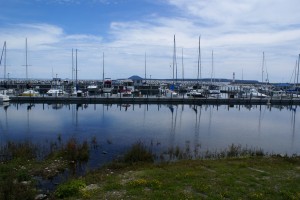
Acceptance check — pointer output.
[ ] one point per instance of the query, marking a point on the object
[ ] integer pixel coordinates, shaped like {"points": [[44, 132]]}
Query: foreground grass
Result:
{"points": [[234, 173], [231, 178]]}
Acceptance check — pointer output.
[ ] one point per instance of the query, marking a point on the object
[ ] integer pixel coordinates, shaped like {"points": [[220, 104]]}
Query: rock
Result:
{"points": [[40, 197], [91, 187]]}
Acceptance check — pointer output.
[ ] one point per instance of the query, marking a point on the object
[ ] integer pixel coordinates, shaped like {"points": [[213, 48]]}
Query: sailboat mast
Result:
{"points": [[103, 70], [212, 66], [4, 60], [145, 67], [72, 71], [262, 70], [298, 70], [173, 59], [26, 65], [199, 61], [76, 70], [182, 66]]}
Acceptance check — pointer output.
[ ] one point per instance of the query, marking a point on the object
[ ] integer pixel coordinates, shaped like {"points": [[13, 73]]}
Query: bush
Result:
{"points": [[138, 153], [76, 152], [69, 189]]}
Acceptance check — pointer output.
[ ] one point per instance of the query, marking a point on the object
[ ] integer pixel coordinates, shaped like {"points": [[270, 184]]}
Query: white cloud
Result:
{"points": [[237, 31]]}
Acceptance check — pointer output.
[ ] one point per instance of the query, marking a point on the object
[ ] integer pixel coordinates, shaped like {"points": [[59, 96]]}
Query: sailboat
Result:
{"points": [[76, 91], [170, 93], [3, 96], [213, 89], [29, 92], [197, 92], [107, 82]]}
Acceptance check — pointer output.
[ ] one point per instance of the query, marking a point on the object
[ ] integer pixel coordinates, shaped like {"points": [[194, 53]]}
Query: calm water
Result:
{"points": [[116, 127]]}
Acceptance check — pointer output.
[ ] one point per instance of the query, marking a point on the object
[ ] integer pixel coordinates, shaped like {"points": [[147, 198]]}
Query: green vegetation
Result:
{"points": [[21, 163], [70, 188], [229, 178], [234, 173]]}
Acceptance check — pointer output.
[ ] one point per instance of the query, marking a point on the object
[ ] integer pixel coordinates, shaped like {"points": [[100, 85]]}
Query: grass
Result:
{"points": [[21, 163], [230, 178], [233, 173]]}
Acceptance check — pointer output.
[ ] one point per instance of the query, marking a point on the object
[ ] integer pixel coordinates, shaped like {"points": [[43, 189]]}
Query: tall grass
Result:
{"points": [[138, 152]]}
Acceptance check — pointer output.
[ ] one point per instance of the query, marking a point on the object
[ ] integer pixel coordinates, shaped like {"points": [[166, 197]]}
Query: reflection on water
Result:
{"points": [[116, 127]]}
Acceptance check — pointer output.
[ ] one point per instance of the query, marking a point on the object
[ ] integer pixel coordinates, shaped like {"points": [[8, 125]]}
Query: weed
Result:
{"points": [[138, 153], [69, 189], [74, 151]]}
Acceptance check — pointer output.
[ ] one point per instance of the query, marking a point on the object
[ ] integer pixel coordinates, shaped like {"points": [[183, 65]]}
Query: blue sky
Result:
{"points": [[238, 31]]}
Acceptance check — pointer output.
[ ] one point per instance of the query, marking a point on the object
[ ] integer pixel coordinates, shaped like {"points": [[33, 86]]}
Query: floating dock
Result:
{"points": [[153, 100]]}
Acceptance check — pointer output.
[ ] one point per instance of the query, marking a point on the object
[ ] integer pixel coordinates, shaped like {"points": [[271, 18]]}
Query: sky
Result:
{"points": [[132, 34]]}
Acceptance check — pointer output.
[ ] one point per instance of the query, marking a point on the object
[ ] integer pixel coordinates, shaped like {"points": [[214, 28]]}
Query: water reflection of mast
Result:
{"points": [[180, 119], [197, 124], [210, 117], [144, 119], [293, 122], [6, 120], [173, 125], [75, 114], [5, 127], [28, 116], [261, 116]]}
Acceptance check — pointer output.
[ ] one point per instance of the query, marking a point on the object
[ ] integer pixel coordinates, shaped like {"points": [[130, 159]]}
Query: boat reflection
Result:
{"points": [[211, 126]]}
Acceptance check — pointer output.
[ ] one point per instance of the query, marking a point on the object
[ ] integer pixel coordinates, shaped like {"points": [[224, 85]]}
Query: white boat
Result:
{"points": [[78, 93], [4, 98], [30, 93], [92, 88], [253, 93], [128, 85], [56, 92], [107, 86], [170, 93], [279, 94], [57, 88], [125, 93], [195, 94]]}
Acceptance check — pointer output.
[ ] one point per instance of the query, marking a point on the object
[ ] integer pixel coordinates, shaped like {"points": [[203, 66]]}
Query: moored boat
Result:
{"points": [[56, 92], [195, 94], [4, 98], [30, 93]]}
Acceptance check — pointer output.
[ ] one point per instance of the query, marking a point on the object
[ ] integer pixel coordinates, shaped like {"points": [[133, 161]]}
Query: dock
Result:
{"points": [[153, 100]]}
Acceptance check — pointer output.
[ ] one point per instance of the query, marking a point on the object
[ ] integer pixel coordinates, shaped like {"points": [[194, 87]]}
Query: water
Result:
{"points": [[116, 127]]}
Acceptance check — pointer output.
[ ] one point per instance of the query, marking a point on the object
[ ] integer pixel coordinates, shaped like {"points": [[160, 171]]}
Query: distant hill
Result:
{"points": [[135, 77]]}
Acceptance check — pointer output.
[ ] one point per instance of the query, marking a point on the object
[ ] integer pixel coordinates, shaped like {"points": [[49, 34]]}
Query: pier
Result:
{"points": [[154, 100]]}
